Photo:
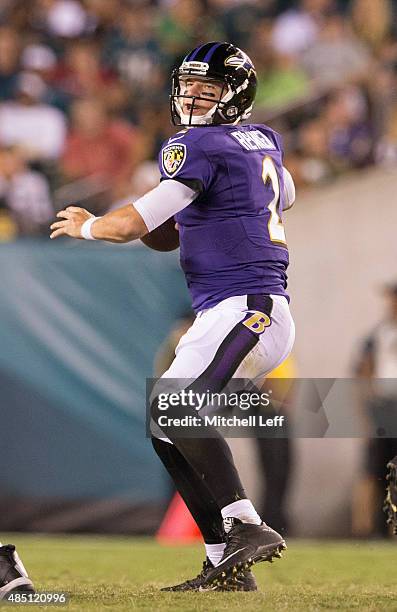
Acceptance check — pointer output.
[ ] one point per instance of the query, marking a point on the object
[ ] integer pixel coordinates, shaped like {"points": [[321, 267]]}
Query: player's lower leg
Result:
{"points": [[195, 494], [204, 510], [257, 541], [390, 505], [248, 540], [13, 575], [201, 505]]}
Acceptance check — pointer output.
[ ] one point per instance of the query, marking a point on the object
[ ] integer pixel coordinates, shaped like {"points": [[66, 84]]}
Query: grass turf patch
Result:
{"points": [[127, 573]]}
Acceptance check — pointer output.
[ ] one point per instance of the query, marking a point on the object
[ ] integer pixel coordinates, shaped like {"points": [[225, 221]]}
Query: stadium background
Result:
{"points": [[83, 110]]}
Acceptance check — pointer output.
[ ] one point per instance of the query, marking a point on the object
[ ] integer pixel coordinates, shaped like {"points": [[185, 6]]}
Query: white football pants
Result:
{"points": [[241, 337]]}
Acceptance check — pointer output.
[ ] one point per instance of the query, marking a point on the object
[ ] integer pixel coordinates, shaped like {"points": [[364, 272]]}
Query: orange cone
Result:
{"points": [[178, 525]]}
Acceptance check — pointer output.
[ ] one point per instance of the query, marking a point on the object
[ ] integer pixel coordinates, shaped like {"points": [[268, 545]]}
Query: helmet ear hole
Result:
{"points": [[231, 112]]}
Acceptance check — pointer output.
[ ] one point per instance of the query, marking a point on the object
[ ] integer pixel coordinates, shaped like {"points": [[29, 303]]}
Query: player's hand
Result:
{"points": [[73, 218]]}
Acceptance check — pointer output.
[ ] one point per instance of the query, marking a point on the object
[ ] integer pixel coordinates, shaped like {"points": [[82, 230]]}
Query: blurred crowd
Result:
{"points": [[84, 88]]}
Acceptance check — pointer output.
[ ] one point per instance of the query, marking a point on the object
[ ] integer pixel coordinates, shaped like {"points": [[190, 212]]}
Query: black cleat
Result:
{"points": [[194, 583], [13, 575], [246, 544], [241, 582], [390, 505]]}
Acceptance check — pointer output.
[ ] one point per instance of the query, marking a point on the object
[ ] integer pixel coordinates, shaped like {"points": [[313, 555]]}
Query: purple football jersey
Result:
{"points": [[231, 237]]}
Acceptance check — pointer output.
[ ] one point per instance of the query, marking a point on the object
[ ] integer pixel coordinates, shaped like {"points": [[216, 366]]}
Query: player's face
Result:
{"points": [[202, 88]]}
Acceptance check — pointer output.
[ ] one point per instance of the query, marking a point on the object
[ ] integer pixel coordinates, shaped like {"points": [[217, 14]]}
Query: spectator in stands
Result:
{"points": [[103, 13], [131, 46], [311, 165], [378, 362], [62, 18], [337, 56], [9, 62], [18, 15], [280, 79], [28, 122], [372, 21], [40, 59], [283, 84], [383, 96], [386, 152], [25, 194], [105, 150], [349, 129], [184, 24], [81, 73], [238, 20], [297, 29], [5, 7]]}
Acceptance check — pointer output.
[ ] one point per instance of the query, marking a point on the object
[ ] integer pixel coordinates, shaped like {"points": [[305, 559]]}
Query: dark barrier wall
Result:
{"points": [[79, 327]]}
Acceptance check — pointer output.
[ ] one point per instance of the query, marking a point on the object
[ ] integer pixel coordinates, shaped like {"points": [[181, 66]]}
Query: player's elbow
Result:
{"points": [[131, 232], [131, 227]]}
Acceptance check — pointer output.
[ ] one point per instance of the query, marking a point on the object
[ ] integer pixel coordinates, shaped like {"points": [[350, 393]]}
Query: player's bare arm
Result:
{"points": [[122, 225], [129, 222]]}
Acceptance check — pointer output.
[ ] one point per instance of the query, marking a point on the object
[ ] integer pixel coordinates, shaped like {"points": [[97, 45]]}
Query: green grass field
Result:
{"points": [[103, 573]]}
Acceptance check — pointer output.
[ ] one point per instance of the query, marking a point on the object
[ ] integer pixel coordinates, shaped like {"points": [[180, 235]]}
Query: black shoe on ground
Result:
{"points": [[194, 583], [13, 575], [390, 505], [246, 544], [243, 581]]}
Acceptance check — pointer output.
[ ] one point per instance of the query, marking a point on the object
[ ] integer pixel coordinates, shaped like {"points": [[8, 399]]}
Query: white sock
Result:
{"points": [[215, 552], [243, 510]]}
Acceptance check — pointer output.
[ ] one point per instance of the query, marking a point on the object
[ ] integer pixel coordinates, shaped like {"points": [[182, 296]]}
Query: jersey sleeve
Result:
{"points": [[289, 189], [185, 161], [163, 202]]}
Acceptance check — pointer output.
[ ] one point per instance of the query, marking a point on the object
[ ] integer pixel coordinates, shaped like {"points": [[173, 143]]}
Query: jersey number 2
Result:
{"points": [[275, 225]]}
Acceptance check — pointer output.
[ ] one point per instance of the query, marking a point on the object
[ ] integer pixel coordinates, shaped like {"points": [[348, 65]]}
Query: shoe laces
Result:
{"points": [[232, 543]]}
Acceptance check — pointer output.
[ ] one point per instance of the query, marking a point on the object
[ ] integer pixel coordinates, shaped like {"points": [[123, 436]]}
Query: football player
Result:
{"points": [[390, 505], [13, 575], [225, 185]]}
